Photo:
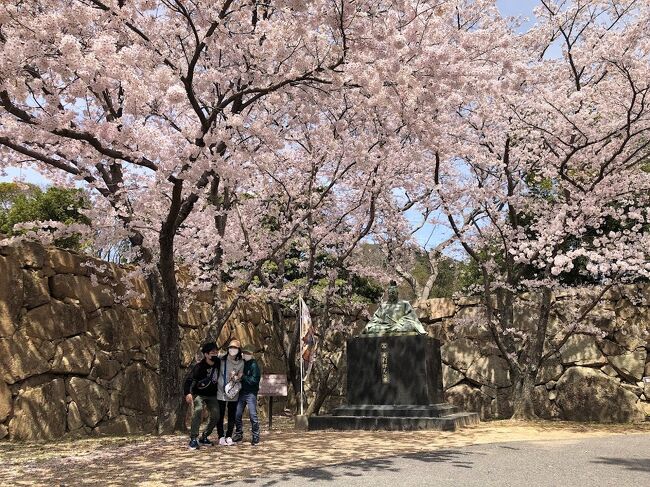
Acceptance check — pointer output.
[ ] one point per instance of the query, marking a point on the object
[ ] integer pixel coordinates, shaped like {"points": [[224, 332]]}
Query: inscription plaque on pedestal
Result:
{"points": [[392, 370]]}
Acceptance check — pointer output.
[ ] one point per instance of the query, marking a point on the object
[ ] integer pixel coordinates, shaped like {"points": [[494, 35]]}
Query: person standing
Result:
{"points": [[230, 374], [248, 397], [200, 390]]}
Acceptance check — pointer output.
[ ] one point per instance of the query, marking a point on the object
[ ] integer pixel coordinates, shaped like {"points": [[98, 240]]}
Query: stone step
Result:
{"points": [[431, 410], [450, 422]]}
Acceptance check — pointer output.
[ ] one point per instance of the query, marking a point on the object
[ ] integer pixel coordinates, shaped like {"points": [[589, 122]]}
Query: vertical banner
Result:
{"points": [[308, 343], [308, 338]]}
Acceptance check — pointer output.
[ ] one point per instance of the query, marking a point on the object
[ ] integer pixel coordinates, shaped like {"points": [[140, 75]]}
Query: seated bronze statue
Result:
{"points": [[394, 317]]}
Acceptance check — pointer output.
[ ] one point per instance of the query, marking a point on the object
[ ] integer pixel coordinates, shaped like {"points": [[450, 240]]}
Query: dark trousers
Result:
{"points": [[248, 399], [213, 407], [232, 409]]}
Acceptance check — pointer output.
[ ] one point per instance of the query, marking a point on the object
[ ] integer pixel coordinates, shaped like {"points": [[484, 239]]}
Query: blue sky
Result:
{"points": [[519, 8]]}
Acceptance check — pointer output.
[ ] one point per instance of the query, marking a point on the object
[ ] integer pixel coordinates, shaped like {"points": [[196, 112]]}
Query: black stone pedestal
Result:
{"points": [[394, 383], [391, 370]]}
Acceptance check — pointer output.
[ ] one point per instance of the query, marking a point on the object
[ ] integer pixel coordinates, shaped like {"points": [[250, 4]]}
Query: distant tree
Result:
{"points": [[22, 203]]}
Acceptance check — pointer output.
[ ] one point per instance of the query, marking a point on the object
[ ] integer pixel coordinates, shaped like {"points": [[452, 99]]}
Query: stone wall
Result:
{"points": [[76, 360], [596, 375]]}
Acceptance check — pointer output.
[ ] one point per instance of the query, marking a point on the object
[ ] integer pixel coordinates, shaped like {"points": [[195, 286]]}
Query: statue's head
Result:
{"points": [[393, 295]]}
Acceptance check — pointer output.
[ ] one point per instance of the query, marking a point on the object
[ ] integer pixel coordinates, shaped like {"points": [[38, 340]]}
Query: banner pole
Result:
{"points": [[301, 359]]}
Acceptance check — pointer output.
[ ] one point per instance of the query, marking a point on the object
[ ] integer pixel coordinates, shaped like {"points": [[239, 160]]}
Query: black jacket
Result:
{"points": [[202, 379]]}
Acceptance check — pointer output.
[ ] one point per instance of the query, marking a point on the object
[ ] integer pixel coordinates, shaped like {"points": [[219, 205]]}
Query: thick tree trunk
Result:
{"points": [[524, 381], [523, 405], [165, 295]]}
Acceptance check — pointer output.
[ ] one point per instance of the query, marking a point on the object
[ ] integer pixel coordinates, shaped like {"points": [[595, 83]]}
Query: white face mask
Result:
{"points": [[247, 356], [233, 352]]}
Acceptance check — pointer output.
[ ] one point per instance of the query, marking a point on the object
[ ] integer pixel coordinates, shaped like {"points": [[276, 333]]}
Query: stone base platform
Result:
{"points": [[442, 417]]}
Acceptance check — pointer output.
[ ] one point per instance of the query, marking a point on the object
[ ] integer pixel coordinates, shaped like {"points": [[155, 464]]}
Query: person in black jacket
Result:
{"points": [[201, 389], [250, 385]]}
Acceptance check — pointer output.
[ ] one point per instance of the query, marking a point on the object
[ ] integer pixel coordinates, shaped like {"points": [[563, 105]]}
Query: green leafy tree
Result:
{"points": [[21, 203]]}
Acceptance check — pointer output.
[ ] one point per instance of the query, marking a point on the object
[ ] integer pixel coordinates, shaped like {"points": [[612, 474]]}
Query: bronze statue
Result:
{"points": [[394, 317]]}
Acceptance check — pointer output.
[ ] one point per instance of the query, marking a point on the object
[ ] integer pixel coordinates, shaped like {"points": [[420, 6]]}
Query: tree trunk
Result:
{"points": [[322, 393], [532, 360], [523, 407], [165, 296]]}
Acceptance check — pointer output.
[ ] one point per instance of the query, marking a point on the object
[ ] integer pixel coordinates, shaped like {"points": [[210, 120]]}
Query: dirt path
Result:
{"points": [[162, 461]]}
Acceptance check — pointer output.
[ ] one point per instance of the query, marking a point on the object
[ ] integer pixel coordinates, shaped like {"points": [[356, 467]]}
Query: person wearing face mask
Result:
{"points": [[200, 389], [230, 373], [248, 397]]}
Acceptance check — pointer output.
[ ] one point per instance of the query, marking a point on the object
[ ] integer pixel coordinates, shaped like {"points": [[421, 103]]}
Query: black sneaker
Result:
{"points": [[237, 437], [203, 441], [194, 444], [255, 441]]}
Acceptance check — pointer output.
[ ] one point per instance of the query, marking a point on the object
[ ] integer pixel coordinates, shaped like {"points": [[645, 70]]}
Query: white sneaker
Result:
{"points": [[229, 441], [222, 441]]}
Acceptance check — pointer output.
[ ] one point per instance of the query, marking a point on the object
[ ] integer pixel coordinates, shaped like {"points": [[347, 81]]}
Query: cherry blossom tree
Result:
{"points": [[147, 104], [551, 166]]}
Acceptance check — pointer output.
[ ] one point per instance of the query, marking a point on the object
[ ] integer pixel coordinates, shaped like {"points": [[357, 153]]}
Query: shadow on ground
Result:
{"points": [[635, 464], [165, 460], [351, 470]]}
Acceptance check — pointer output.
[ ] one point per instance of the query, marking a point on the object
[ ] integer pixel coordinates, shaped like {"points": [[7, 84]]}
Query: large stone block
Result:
{"points": [[438, 308], [468, 300], [472, 313], [471, 399], [625, 310], [6, 401], [603, 316], [632, 334], [30, 254], [544, 407], [195, 315], [55, 320], [37, 291], [581, 349], [190, 345], [40, 412], [91, 297], [20, 357], [585, 394], [248, 335], [11, 295], [74, 355], [630, 365], [65, 262], [104, 367], [460, 353], [141, 298], [491, 370], [92, 400], [126, 425], [550, 370], [609, 347], [74, 420], [450, 376], [140, 389], [121, 328]]}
